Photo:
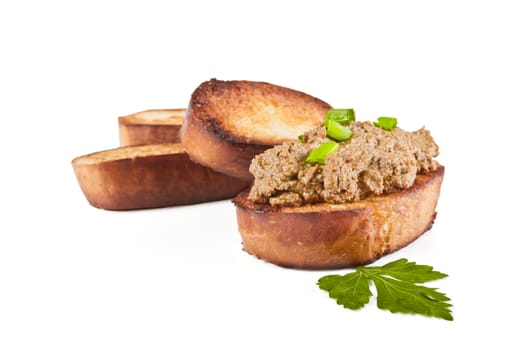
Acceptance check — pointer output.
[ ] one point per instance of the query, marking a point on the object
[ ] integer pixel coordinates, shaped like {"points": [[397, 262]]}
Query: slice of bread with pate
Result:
{"points": [[371, 194], [229, 122]]}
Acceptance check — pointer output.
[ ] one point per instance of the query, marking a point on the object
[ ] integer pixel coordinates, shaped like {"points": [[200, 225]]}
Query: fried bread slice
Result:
{"points": [[150, 176], [151, 126], [324, 236], [229, 122]]}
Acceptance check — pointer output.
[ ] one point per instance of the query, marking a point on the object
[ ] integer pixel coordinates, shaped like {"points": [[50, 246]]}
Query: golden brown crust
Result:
{"points": [[207, 148], [327, 236], [149, 176], [151, 127], [228, 122]]}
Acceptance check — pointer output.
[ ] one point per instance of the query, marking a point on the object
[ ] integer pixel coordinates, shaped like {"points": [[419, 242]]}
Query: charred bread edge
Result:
{"points": [[314, 236], [152, 181], [214, 149]]}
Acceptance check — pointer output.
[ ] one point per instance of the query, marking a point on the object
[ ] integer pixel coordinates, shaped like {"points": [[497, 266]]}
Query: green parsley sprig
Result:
{"points": [[397, 285]]}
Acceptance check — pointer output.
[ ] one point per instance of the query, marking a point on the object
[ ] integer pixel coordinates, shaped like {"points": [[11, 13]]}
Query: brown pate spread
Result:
{"points": [[372, 162]]}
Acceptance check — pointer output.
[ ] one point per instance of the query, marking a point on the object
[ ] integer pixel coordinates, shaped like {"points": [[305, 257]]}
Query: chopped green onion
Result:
{"points": [[342, 116], [337, 131], [386, 123], [318, 155], [301, 138]]}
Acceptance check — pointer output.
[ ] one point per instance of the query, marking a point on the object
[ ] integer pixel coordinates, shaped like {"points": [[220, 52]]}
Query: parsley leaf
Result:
{"points": [[396, 288], [350, 290], [407, 271]]}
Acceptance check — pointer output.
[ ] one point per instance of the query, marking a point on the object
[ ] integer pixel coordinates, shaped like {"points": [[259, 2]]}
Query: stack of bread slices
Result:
{"points": [[202, 153]]}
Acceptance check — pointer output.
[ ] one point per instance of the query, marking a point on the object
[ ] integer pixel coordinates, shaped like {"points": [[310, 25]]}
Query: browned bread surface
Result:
{"points": [[149, 176], [324, 236], [151, 126], [228, 122]]}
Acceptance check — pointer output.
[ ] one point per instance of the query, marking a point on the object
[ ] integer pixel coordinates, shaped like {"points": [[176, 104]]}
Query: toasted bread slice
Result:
{"points": [[229, 122], [326, 236], [149, 176], [151, 126]]}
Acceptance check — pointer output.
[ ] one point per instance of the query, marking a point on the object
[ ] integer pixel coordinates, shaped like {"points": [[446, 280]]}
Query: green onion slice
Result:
{"points": [[301, 138], [318, 155], [342, 116], [386, 123], [336, 131]]}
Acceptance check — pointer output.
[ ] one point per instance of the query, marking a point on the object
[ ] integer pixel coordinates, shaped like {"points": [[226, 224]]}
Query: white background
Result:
{"points": [[76, 277]]}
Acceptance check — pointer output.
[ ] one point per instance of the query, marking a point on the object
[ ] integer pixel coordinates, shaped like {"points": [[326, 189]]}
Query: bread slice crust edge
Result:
{"points": [[217, 151]]}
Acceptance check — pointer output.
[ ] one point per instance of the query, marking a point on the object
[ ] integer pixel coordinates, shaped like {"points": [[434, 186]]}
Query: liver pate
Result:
{"points": [[372, 162]]}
